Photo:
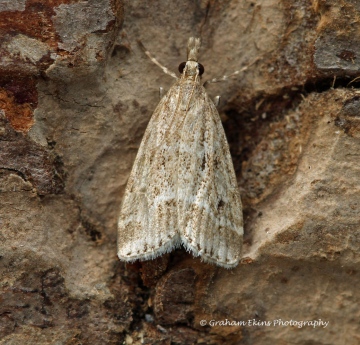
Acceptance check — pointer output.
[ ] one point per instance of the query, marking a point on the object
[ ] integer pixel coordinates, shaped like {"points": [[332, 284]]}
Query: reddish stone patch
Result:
{"points": [[20, 116], [18, 94], [34, 22]]}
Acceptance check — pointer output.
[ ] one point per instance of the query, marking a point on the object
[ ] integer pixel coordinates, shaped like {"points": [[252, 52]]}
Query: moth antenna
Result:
{"points": [[232, 75], [236, 73], [156, 62]]}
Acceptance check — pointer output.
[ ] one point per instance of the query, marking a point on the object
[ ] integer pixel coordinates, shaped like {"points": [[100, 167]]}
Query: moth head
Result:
{"points": [[191, 68]]}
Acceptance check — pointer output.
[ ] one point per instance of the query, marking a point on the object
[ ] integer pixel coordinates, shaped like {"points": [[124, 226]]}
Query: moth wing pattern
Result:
{"points": [[182, 188], [210, 210], [147, 225]]}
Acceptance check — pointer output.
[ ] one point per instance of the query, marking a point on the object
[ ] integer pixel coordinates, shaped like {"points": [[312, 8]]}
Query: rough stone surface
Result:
{"points": [[76, 94], [12, 5]]}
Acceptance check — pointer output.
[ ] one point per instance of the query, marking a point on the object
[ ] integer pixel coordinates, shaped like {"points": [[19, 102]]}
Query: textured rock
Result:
{"points": [[76, 94]]}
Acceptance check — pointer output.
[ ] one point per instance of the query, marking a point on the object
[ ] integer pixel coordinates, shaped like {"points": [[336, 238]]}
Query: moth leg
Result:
{"points": [[161, 92], [217, 101]]}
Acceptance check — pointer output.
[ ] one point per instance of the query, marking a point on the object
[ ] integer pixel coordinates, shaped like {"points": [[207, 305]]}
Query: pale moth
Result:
{"points": [[182, 189]]}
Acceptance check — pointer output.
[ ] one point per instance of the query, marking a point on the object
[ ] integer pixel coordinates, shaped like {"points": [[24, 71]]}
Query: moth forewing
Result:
{"points": [[182, 188]]}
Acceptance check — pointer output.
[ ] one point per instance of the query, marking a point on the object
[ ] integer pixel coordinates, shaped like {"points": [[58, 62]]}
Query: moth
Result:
{"points": [[182, 189]]}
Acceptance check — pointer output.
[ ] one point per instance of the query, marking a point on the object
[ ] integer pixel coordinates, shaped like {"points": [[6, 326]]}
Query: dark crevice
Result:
{"points": [[266, 108], [17, 172], [140, 305], [92, 230], [325, 84]]}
